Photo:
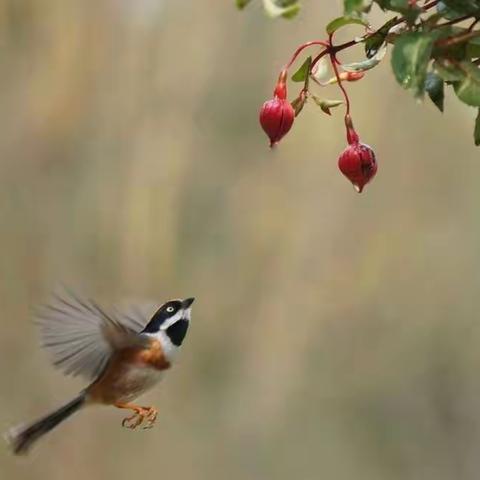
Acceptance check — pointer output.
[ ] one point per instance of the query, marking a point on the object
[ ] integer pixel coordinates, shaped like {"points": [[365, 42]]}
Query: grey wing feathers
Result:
{"points": [[80, 336]]}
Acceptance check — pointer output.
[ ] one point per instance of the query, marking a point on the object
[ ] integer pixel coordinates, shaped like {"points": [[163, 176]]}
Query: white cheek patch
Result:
{"points": [[170, 321]]}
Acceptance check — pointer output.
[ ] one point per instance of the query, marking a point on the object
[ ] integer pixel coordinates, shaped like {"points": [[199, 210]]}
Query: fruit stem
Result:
{"points": [[340, 84], [281, 87], [334, 63], [301, 48], [352, 136]]}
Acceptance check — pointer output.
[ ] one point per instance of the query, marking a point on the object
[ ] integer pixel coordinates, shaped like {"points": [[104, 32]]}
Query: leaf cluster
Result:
{"points": [[436, 44]]}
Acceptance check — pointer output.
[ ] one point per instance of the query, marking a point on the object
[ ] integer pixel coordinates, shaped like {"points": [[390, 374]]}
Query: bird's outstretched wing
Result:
{"points": [[80, 336]]}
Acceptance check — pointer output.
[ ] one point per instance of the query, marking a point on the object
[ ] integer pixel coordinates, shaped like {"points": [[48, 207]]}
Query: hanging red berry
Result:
{"points": [[357, 162], [277, 115]]}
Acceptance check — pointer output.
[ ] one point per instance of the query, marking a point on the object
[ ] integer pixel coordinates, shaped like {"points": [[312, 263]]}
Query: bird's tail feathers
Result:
{"points": [[22, 437]]}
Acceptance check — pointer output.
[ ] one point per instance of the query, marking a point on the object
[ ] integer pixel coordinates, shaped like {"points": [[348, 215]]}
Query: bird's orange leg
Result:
{"points": [[141, 413], [134, 420]]}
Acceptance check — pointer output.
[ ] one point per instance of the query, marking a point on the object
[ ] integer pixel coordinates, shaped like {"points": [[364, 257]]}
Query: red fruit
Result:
{"points": [[277, 115], [276, 118], [357, 162]]}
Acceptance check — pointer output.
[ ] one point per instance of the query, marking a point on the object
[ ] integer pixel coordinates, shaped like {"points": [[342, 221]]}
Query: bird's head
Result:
{"points": [[173, 318]]}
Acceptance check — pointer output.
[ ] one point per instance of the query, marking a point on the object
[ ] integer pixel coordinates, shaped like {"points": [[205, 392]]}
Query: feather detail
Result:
{"points": [[81, 336]]}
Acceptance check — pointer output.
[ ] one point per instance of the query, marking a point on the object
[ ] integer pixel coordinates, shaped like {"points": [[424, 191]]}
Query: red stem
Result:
{"points": [[301, 48], [352, 136], [333, 61]]}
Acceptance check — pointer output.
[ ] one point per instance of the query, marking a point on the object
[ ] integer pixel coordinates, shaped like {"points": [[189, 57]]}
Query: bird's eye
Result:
{"points": [[170, 309]]}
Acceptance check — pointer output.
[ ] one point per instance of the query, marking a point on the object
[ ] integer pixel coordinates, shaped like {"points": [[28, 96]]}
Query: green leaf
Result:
{"points": [[405, 7], [434, 86], [473, 48], [366, 64], [454, 52], [431, 21], [356, 8], [374, 42], [383, 4], [463, 7], [410, 58], [447, 12], [468, 89], [302, 73], [286, 9], [241, 4], [326, 105], [476, 131], [340, 22], [410, 10], [298, 103], [448, 70]]}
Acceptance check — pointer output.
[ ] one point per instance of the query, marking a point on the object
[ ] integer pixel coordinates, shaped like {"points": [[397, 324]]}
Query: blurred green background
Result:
{"points": [[335, 335]]}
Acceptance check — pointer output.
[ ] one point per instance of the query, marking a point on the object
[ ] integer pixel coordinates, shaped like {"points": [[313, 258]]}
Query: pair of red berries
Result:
{"points": [[357, 162]]}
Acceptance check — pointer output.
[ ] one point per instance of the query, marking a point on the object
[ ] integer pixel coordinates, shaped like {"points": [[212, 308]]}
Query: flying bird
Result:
{"points": [[122, 354]]}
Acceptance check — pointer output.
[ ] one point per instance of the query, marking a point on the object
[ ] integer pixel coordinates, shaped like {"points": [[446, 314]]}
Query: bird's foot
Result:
{"points": [[141, 413], [133, 421], [151, 417]]}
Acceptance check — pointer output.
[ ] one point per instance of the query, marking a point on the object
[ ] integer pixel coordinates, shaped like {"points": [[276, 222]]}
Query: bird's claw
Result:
{"points": [[135, 420], [132, 422], [151, 418]]}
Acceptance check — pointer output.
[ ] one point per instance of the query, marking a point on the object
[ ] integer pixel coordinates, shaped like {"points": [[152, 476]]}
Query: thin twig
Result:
{"points": [[464, 37], [334, 62], [470, 28], [453, 22]]}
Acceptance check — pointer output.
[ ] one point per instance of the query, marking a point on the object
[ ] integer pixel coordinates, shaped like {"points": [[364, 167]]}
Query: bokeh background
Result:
{"points": [[335, 335]]}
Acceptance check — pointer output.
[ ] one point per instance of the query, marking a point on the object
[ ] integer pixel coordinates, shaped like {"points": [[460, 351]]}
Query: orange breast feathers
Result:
{"points": [[152, 356], [122, 380]]}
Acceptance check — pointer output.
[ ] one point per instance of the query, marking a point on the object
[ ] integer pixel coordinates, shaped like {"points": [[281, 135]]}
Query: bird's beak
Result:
{"points": [[187, 302]]}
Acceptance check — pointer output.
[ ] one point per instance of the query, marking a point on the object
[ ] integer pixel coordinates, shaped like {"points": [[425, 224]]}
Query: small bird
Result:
{"points": [[121, 353]]}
